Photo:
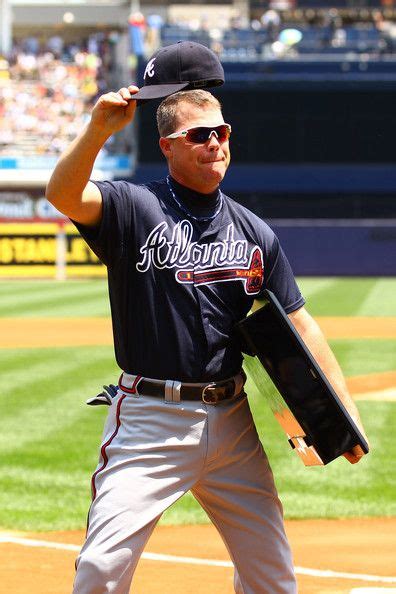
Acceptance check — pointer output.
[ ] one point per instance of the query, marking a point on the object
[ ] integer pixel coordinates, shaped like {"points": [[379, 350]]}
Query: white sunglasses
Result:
{"points": [[201, 134]]}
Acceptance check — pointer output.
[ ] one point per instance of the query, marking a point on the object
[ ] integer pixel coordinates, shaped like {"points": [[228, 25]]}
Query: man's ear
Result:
{"points": [[165, 146]]}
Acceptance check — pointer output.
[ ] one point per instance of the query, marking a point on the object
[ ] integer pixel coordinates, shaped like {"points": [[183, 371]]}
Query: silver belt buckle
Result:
{"points": [[211, 398]]}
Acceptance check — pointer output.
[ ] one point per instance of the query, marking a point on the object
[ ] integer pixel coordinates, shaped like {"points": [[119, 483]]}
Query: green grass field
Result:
{"points": [[49, 438]]}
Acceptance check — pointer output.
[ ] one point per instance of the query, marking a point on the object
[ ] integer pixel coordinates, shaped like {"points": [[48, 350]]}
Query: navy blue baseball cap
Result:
{"points": [[182, 65]]}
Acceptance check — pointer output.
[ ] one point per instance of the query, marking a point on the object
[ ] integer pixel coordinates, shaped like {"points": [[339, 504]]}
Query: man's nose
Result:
{"points": [[213, 141]]}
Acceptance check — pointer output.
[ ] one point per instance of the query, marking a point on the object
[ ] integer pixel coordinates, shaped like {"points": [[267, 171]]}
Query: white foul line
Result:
{"points": [[326, 573], [28, 542]]}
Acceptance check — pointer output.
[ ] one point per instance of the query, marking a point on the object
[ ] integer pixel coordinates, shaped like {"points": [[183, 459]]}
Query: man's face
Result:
{"points": [[197, 166]]}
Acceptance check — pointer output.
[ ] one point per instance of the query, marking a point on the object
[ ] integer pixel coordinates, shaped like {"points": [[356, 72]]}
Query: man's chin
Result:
{"points": [[215, 171]]}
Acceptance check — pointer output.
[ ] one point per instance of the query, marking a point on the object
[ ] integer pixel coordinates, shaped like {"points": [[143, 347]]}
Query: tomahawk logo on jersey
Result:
{"points": [[226, 260], [205, 274]]}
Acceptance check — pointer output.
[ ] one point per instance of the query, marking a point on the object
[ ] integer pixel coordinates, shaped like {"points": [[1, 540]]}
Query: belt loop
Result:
{"points": [[169, 391], [172, 391], [129, 383], [176, 392]]}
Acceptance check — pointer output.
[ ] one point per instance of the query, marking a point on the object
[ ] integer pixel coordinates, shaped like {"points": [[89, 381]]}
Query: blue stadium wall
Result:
{"points": [[314, 154]]}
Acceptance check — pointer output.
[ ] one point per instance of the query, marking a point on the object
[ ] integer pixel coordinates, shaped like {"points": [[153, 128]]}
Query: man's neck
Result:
{"points": [[199, 188], [194, 196]]}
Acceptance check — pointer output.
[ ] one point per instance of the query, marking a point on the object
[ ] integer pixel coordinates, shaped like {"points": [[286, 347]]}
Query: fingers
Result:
{"points": [[112, 99], [127, 92], [354, 455], [121, 97], [352, 459], [115, 110]]}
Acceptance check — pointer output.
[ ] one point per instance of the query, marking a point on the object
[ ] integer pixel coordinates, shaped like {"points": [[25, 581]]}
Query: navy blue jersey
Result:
{"points": [[178, 285]]}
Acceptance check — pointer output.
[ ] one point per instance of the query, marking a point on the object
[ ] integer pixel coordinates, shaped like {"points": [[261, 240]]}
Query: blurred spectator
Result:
{"points": [[153, 35], [137, 28], [31, 45], [332, 24], [387, 32], [55, 46], [271, 22], [45, 101]]}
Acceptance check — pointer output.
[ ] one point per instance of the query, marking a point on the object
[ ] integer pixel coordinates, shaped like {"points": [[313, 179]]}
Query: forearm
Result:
{"points": [[320, 349], [74, 168], [69, 189], [313, 337]]}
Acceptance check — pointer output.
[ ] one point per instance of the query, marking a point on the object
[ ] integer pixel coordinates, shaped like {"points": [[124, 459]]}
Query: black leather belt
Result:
{"points": [[210, 393]]}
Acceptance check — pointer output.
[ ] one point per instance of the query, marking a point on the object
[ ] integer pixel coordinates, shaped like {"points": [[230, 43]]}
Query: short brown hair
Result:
{"points": [[167, 110]]}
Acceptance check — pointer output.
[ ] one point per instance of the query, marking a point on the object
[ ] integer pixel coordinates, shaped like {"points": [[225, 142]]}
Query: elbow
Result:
{"points": [[304, 323], [56, 196], [49, 193]]}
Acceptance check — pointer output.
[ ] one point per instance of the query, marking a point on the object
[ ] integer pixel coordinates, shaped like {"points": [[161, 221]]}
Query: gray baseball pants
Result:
{"points": [[154, 451]]}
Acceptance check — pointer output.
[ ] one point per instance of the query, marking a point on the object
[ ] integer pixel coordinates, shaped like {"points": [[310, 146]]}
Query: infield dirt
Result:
{"points": [[361, 546], [48, 332]]}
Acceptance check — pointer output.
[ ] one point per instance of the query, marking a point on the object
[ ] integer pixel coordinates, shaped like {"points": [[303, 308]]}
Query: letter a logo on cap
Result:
{"points": [[149, 69], [181, 65]]}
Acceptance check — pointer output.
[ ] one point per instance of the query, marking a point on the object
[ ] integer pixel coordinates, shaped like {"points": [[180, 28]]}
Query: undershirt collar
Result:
{"points": [[195, 202]]}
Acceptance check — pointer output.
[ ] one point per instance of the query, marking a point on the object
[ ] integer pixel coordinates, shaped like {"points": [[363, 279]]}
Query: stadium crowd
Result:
{"points": [[46, 95], [47, 89]]}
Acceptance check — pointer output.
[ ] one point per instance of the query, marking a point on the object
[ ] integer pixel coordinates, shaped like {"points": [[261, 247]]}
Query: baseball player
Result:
{"points": [[185, 263]]}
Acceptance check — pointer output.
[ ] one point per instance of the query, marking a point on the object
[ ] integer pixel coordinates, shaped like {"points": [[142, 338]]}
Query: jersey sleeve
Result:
{"points": [[279, 278], [109, 239]]}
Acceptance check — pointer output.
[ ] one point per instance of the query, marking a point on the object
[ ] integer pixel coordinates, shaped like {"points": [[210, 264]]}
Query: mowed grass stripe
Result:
{"points": [[344, 297], [77, 306], [325, 296], [55, 299], [41, 421], [46, 499], [361, 357], [39, 407], [21, 369], [381, 300], [25, 397], [378, 421], [50, 444], [15, 359], [27, 289], [310, 286], [47, 306], [70, 447], [22, 508], [38, 390]]}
